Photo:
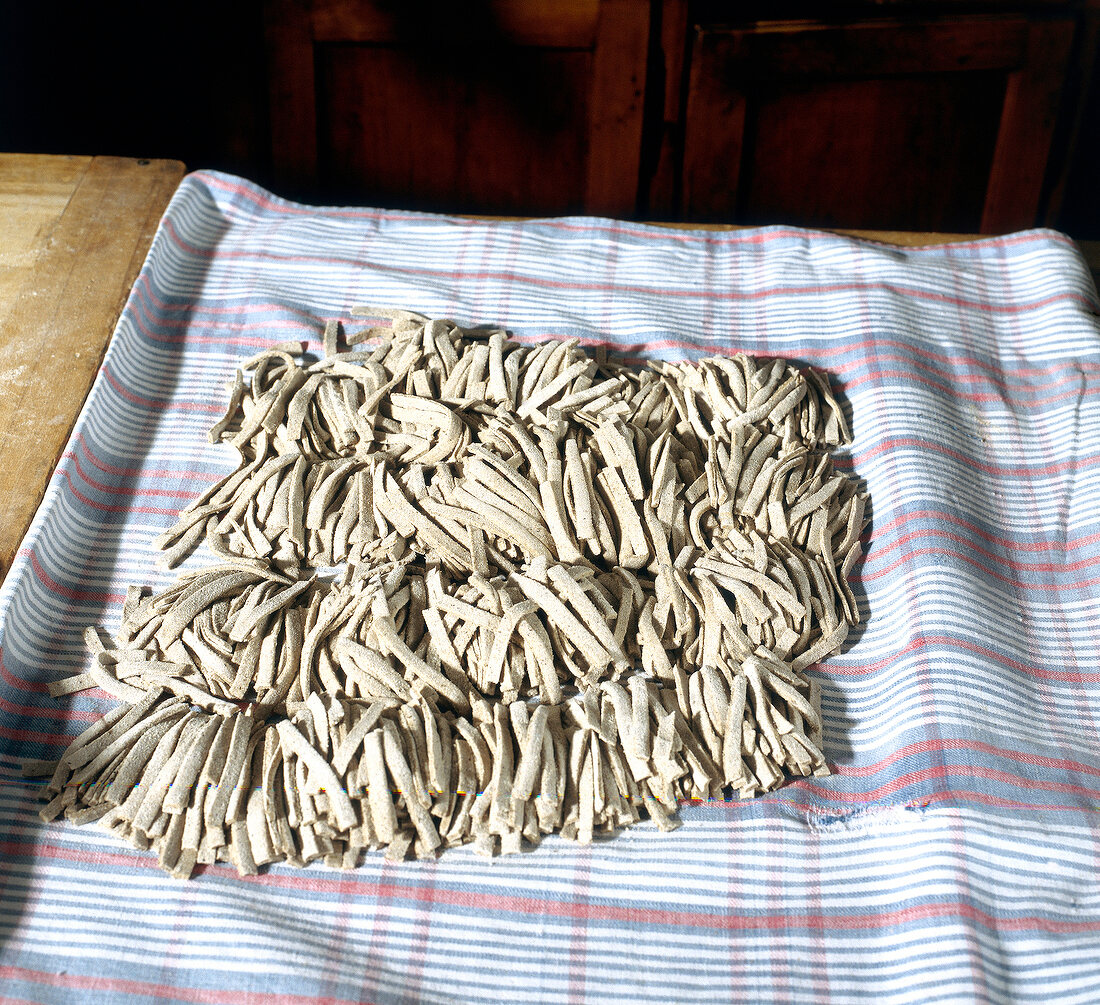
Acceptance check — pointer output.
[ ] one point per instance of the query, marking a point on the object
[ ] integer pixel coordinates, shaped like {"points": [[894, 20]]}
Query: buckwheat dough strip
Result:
{"points": [[179, 794], [558, 613], [507, 472], [391, 641], [142, 717], [532, 369], [192, 692], [675, 609], [495, 515], [506, 627], [500, 784], [326, 779], [216, 810], [503, 490], [367, 661], [437, 737], [547, 391], [141, 755], [398, 768], [356, 737], [71, 685], [101, 734], [244, 627], [156, 780], [569, 589]]}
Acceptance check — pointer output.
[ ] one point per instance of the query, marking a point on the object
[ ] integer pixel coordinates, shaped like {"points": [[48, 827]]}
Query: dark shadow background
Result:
{"points": [[189, 82], [178, 81]]}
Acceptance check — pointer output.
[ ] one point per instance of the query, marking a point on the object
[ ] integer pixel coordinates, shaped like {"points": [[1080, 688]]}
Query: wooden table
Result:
{"points": [[74, 232]]}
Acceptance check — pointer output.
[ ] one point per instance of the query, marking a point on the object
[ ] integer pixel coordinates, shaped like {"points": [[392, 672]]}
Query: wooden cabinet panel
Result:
{"points": [[891, 114], [925, 125], [505, 106], [450, 138], [550, 23], [842, 153], [1026, 129]]}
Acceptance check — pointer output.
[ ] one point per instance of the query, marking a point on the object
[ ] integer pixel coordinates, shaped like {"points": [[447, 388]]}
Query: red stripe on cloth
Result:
{"points": [[946, 799], [840, 667], [68, 592], [167, 992], [870, 346], [18, 682], [946, 773], [883, 549], [861, 348], [66, 714], [505, 276], [113, 469], [891, 445], [105, 508], [405, 892], [124, 490], [37, 736], [157, 306], [867, 576], [63, 714], [599, 225], [946, 386], [1023, 757], [160, 404], [953, 799], [947, 516]]}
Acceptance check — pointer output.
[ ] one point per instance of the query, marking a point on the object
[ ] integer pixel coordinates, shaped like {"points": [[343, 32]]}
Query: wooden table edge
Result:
{"points": [[86, 265], [141, 231]]}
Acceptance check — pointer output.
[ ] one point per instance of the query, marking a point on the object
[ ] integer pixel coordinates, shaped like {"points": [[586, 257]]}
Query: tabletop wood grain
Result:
{"points": [[74, 232]]}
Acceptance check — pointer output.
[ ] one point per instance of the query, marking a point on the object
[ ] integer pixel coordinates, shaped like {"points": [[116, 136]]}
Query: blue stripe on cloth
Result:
{"points": [[953, 853], [889, 904]]}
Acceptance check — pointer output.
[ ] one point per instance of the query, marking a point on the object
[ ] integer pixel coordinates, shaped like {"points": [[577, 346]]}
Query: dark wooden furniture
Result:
{"points": [[936, 123], [891, 114], [506, 106]]}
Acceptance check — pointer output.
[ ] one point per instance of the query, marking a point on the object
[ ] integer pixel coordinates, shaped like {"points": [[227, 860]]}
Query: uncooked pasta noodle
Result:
{"points": [[471, 591]]}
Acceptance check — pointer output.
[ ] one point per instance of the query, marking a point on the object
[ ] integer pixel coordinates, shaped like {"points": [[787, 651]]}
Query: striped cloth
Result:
{"points": [[954, 853]]}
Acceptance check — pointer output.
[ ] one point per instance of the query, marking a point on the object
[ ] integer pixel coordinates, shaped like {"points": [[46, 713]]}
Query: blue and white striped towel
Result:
{"points": [[954, 853]]}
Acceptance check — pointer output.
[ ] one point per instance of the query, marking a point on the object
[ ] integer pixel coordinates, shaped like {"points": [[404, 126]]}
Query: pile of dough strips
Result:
{"points": [[475, 591]]}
